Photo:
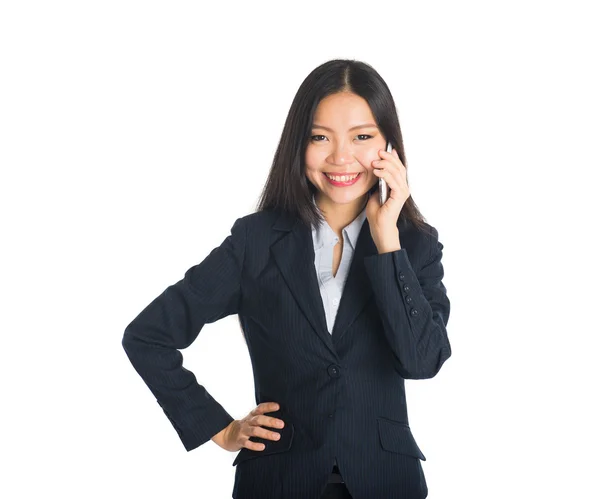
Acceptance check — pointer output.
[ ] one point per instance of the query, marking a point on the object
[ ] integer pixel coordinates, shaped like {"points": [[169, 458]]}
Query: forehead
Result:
{"points": [[343, 110]]}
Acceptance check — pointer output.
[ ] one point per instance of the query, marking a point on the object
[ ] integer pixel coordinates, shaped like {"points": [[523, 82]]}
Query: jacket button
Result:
{"points": [[406, 288], [408, 299], [401, 277], [333, 371], [414, 312]]}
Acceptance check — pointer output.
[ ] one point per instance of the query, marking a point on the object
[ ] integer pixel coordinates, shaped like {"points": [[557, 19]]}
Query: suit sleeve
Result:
{"points": [[208, 292], [414, 309]]}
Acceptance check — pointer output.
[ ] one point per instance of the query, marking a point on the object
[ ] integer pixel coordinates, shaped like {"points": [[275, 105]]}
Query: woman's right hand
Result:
{"points": [[237, 434]]}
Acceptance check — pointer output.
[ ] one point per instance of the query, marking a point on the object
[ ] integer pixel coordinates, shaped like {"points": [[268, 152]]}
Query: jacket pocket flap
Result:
{"points": [[397, 437], [271, 446]]}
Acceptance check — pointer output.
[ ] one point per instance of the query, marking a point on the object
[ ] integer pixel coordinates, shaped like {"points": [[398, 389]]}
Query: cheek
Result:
{"points": [[311, 161], [311, 167], [366, 160], [311, 172]]}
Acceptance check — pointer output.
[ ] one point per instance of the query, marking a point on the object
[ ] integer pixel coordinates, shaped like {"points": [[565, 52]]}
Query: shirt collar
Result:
{"points": [[324, 234]]}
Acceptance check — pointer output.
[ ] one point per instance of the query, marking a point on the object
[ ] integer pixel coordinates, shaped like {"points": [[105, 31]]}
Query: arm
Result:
{"points": [[414, 309], [208, 292]]}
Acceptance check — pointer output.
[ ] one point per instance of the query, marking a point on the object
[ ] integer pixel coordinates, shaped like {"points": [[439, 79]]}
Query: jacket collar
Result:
{"points": [[295, 257]]}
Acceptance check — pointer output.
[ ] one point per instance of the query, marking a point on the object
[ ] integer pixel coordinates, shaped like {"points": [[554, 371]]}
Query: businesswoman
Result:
{"points": [[340, 299]]}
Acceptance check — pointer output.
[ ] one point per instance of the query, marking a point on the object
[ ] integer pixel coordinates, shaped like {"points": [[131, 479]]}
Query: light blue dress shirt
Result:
{"points": [[324, 239]]}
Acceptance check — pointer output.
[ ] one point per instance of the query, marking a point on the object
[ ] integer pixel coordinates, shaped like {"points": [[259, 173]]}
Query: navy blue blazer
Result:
{"points": [[340, 394]]}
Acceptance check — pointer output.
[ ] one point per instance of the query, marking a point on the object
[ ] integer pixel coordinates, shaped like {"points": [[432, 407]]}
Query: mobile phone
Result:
{"points": [[384, 189]]}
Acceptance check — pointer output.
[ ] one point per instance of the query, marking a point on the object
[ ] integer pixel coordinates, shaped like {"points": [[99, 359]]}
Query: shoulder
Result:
{"points": [[259, 227], [261, 217], [258, 220]]}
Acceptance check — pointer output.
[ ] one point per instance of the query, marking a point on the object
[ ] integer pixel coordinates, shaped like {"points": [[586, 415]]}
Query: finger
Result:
{"points": [[266, 421], [386, 163], [388, 155], [392, 161], [390, 165], [259, 431], [398, 158], [249, 444], [265, 407], [392, 157], [388, 177], [270, 422]]}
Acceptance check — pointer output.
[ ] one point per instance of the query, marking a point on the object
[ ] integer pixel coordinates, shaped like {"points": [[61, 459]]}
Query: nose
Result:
{"points": [[342, 155]]}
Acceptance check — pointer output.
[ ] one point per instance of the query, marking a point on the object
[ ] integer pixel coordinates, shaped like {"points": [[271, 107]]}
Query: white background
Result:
{"points": [[133, 134]]}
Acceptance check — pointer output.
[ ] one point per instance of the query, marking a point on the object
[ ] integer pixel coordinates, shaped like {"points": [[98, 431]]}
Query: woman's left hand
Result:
{"points": [[383, 218]]}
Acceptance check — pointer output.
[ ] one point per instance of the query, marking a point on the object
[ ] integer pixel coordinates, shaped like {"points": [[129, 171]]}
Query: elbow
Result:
{"points": [[127, 344], [134, 349], [125, 341], [425, 368], [129, 341]]}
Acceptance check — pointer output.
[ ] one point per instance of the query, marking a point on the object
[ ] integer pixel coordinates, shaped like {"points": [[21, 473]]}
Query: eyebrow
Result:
{"points": [[366, 125]]}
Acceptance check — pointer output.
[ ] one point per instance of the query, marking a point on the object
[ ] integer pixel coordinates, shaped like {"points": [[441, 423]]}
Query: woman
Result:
{"points": [[340, 300]]}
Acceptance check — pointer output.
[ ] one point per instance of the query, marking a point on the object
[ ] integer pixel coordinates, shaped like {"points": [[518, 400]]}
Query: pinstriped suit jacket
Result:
{"points": [[342, 394]]}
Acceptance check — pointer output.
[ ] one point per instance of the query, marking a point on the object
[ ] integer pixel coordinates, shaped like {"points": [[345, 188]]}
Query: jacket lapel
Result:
{"points": [[357, 290], [295, 257]]}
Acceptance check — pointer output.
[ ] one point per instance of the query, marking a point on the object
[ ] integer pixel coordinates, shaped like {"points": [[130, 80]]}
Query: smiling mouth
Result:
{"points": [[342, 180], [339, 177]]}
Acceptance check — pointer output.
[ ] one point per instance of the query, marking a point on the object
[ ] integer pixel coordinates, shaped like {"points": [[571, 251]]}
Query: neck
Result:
{"points": [[337, 215]]}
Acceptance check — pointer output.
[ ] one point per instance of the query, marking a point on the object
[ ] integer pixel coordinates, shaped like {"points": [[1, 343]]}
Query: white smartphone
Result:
{"points": [[384, 189]]}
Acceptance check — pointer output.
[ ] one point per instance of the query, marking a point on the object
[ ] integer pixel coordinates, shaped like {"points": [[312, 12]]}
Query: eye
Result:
{"points": [[313, 138]]}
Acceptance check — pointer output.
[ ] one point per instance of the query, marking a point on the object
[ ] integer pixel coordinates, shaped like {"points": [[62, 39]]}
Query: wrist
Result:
{"points": [[389, 242], [219, 438], [388, 245], [389, 249]]}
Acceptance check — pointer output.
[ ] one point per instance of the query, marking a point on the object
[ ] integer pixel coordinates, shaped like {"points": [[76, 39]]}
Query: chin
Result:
{"points": [[343, 197]]}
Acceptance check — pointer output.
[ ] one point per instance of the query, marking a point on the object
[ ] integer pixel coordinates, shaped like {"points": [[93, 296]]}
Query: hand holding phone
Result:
{"points": [[384, 189]]}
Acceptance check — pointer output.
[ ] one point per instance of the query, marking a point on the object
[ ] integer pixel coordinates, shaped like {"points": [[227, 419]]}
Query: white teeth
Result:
{"points": [[344, 178]]}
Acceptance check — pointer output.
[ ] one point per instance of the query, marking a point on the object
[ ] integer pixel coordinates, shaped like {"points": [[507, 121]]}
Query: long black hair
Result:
{"points": [[287, 188]]}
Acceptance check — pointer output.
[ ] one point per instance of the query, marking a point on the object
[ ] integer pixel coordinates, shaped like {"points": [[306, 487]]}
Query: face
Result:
{"points": [[344, 141]]}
